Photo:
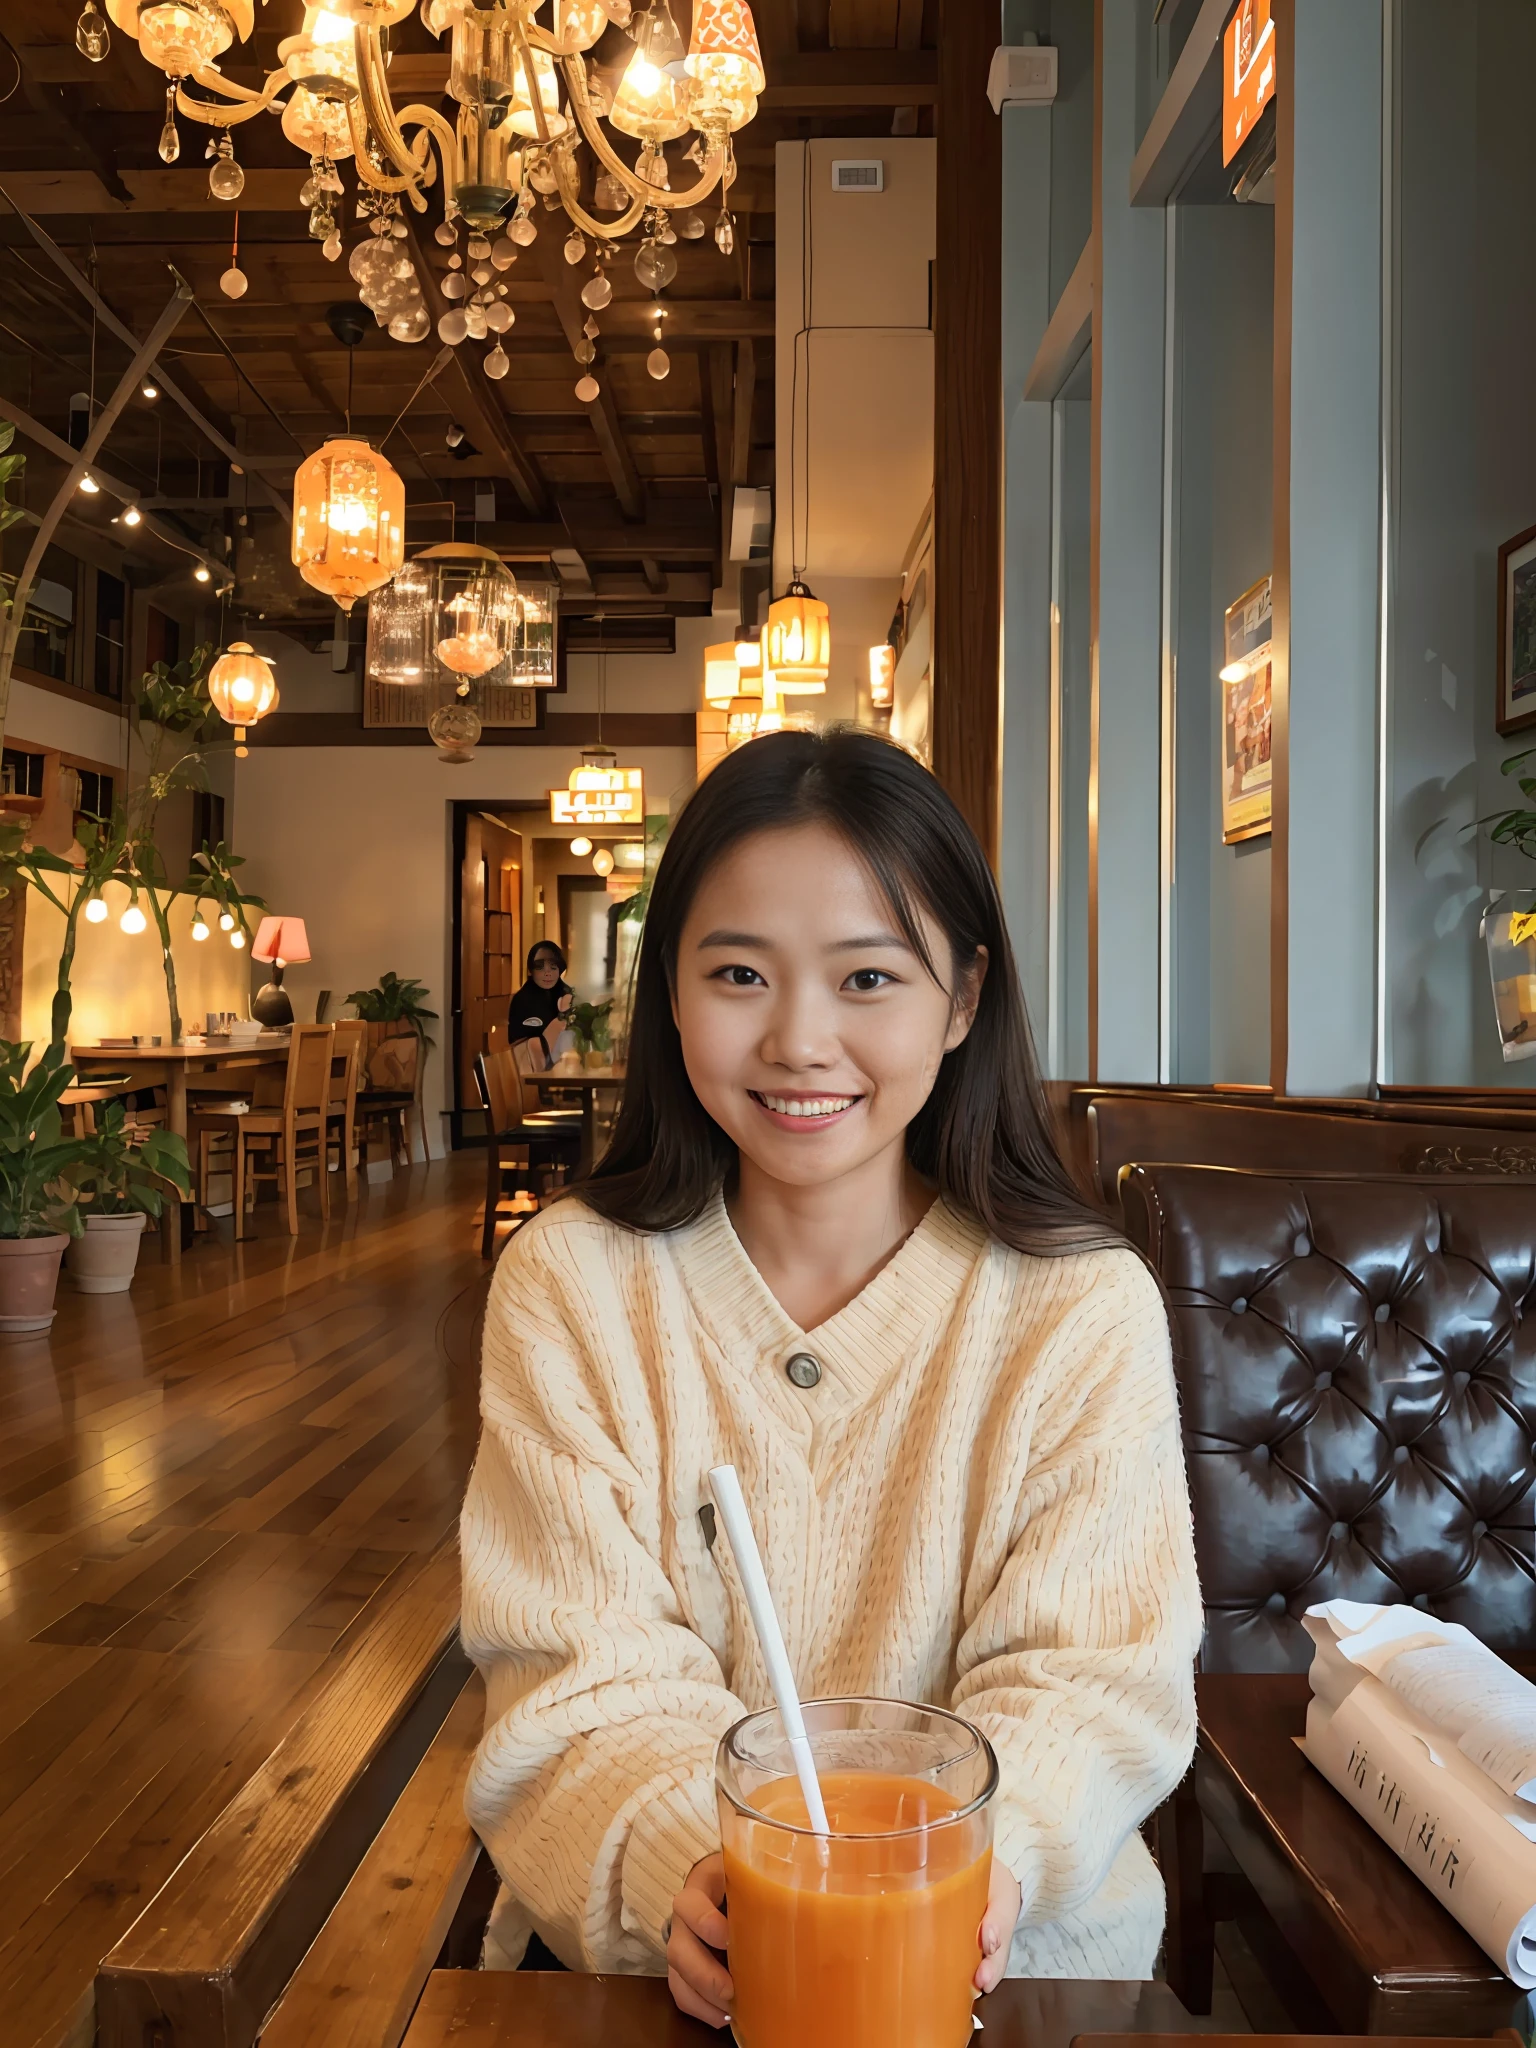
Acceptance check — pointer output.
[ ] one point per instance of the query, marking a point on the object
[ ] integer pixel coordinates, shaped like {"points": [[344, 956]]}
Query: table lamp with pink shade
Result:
{"points": [[283, 941]]}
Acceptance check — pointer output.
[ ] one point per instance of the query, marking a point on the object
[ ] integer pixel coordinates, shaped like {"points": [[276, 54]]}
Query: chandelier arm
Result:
{"points": [[413, 163], [570, 199], [609, 158], [382, 181], [541, 39], [244, 105]]}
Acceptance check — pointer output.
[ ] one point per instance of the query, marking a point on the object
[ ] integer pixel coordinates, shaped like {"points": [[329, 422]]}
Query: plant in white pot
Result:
{"points": [[40, 1170], [123, 1184]]}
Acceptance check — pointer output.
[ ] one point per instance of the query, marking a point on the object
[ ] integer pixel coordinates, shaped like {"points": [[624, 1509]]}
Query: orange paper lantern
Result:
{"points": [[348, 520]]}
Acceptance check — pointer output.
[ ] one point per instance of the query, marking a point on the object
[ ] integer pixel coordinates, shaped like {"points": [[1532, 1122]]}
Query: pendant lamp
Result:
{"points": [[243, 689], [723, 677], [797, 642], [724, 62], [397, 628], [473, 616], [600, 793], [348, 520]]}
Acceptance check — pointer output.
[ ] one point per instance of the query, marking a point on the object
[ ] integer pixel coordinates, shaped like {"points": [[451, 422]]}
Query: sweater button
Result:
{"points": [[803, 1370]]}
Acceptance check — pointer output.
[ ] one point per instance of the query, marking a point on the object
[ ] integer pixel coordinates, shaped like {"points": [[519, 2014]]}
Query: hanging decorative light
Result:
{"points": [[600, 793], [723, 676], [243, 689], [797, 642], [527, 94], [724, 62], [534, 663], [472, 610], [348, 520], [397, 627], [882, 676], [455, 728], [742, 717]]}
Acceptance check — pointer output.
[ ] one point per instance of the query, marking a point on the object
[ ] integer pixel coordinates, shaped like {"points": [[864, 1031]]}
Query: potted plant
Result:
{"points": [[393, 1009], [39, 1171], [588, 1023], [119, 1189], [1510, 934]]}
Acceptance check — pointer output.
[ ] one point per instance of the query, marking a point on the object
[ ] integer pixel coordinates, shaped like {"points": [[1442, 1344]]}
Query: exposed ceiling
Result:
{"points": [[629, 495]]}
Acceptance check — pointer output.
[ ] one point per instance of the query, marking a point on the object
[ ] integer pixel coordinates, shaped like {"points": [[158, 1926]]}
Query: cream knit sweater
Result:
{"points": [[980, 1504]]}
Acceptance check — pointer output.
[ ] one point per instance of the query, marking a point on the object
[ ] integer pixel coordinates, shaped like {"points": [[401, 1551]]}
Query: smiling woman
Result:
{"points": [[833, 1246]]}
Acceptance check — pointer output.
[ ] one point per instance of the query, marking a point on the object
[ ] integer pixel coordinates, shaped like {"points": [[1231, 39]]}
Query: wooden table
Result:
{"points": [[532, 2009], [171, 1066], [1383, 1953], [588, 1081]]}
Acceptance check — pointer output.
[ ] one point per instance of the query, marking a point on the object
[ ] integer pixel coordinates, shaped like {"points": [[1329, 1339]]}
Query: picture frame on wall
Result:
{"points": [[1516, 707], [1247, 766]]}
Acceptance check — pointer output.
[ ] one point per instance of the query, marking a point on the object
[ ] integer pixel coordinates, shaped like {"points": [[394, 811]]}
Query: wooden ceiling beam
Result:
{"points": [[741, 415], [722, 402]]}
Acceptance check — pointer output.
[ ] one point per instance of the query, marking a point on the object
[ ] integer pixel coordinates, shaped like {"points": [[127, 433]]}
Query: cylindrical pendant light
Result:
{"points": [[797, 642], [348, 520]]}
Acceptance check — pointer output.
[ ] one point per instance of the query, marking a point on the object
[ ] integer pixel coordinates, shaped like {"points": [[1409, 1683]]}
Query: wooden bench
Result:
{"points": [[213, 1953]]}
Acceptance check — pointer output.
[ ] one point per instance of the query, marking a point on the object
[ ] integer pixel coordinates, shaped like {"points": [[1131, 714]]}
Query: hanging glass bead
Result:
{"points": [[503, 253], [499, 316], [92, 37], [590, 328], [226, 180], [497, 362], [587, 388], [170, 141], [445, 234], [474, 322], [691, 225], [725, 233], [454, 286], [414, 324], [482, 273], [523, 231], [659, 363], [478, 247], [234, 283], [311, 190], [654, 267], [584, 352], [597, 291], [575, 246], [330, 248], [452, 327]]}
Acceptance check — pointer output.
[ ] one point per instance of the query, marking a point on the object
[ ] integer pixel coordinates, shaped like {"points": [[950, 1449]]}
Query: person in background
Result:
{"points": [[832, 1243], [538, 1009]]}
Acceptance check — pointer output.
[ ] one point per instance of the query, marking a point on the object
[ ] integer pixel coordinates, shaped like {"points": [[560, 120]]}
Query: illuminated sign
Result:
{"points": [[1248, 73], [600, 793]]}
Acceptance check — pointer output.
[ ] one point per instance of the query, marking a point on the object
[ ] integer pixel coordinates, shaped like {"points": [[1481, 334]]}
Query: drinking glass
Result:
{"points": [[866, 1937]]}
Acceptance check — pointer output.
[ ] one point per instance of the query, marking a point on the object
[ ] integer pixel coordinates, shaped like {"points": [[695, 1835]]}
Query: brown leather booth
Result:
{"points": [[1356, 1359]]}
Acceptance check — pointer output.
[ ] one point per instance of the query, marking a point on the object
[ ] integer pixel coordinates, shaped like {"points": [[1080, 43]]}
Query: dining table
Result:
{"points": [[182, 1062], [531, 2008], [589, 1082]]}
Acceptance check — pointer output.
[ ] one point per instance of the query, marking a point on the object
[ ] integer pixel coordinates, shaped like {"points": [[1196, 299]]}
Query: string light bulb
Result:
{"points": [[133, 920], [96, 911], [199, 926], [237, 940], [581, 845], [226, 921]]}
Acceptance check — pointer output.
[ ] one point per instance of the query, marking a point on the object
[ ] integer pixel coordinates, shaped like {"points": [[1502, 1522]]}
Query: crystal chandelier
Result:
{"points": [[527, 103]]}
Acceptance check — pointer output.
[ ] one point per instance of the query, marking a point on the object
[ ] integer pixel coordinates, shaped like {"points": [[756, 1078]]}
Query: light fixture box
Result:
{"points": [[1022, 75]]}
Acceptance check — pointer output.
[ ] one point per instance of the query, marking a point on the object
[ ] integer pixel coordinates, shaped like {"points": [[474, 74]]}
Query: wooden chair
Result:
{"points": [[531, 1059], [545, 1143], [391, 1089], [290, 1135], [341, 1128]]}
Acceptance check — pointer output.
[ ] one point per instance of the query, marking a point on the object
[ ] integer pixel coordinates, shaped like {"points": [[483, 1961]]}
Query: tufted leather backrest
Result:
{"points": [[1356, 1360]]}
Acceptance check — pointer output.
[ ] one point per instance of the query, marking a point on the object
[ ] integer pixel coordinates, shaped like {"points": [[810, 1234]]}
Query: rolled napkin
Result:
{"points": [[1431, 1737]]}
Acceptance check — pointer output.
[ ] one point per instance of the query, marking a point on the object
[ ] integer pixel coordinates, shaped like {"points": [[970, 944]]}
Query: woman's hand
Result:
{"points": [[563, 1003], [699, 1980], [1004, 1904]]}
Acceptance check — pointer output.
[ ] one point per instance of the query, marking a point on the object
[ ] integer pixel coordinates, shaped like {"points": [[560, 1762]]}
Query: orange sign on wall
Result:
{"points": [[1248, 73]]}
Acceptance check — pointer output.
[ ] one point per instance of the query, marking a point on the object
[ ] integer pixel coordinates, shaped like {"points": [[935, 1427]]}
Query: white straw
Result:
{"points": [[749, 1564]]}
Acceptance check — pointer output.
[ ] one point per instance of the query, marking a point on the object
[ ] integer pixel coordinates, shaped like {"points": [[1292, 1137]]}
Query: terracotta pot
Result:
{"points": [[103, 1261], [29, 1279]]}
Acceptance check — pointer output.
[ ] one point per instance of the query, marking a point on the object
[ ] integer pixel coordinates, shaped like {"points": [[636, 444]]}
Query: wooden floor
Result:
{"points": [[203, 1486]]}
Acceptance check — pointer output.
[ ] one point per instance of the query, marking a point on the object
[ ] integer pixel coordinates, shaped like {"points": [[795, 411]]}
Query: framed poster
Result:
{"points": [[1516, 710], [1247, 769]]}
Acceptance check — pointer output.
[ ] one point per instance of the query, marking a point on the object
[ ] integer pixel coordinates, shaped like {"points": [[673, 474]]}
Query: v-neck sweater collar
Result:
{"points": [[889, 1317]]}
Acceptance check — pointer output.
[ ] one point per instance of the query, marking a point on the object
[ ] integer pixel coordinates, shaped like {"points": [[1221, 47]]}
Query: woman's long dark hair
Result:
{"points": [[983, 1137]]}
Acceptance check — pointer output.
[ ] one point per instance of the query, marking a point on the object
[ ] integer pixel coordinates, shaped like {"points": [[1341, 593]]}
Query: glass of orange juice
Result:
{"points": [[866, 1937]]}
